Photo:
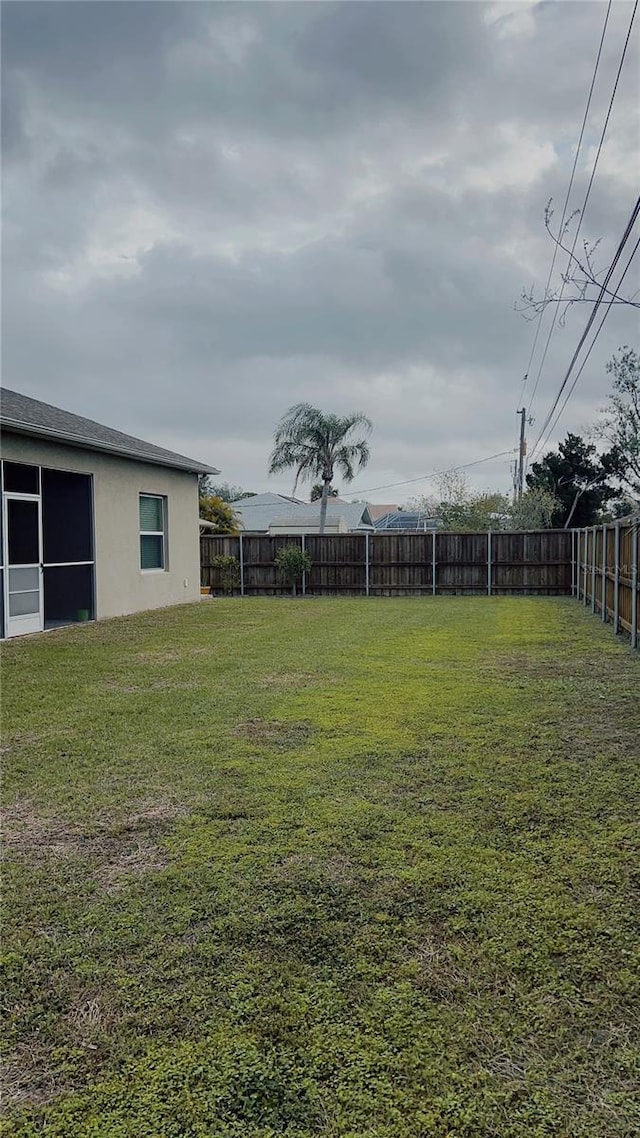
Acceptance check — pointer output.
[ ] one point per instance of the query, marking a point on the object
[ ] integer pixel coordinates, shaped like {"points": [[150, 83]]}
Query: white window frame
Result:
{"points": [[155, 533]]}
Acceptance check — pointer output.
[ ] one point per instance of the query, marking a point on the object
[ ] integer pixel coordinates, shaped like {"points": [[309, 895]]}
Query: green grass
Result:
{"points": [[323, 868]]}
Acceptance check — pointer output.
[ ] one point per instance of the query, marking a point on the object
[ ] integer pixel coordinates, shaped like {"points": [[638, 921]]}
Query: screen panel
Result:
{"points": [[68, 594], [67, 521], [23, 537], [21, 478]]}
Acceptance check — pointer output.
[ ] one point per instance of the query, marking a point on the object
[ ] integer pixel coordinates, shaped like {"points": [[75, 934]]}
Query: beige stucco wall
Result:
{"points": [[121, 586]]}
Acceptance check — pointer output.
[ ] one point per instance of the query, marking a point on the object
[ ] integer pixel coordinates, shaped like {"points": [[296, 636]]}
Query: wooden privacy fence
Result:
{"points": [[391, 564], [605, 572]]}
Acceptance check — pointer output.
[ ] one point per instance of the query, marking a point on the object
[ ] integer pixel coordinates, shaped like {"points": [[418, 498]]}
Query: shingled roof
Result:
{"points": [[257, 513], [26, 416]]}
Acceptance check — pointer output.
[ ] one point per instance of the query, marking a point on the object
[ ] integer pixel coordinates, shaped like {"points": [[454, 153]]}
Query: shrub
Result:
{"points": [[228, 569], [221, 514], [292, 562]]}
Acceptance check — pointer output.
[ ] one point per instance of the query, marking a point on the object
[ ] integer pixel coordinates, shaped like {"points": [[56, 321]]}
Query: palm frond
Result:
{"points": [[312, 443]]}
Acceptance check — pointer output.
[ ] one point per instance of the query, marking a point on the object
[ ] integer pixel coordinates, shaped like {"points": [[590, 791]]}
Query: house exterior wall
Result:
{"points": [[121, 586]]}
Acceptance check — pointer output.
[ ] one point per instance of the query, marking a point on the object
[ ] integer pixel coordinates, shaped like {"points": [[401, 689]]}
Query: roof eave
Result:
{"points": [[91, 444]]}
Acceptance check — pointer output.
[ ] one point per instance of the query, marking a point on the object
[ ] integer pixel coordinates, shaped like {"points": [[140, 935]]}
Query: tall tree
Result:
{"points": [[577, 478], [315, 445], [209, 489], [620, 423], [459, 508], [533, 510]]}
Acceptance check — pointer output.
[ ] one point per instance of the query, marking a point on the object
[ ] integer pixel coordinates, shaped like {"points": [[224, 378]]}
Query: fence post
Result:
{"points": [[604, 572], [573, 563], [593, 571], [635, 537], [241, 568], [584, 565], [616, 581], [366, 563], [488, 563], [433, 563], [304, 575]]}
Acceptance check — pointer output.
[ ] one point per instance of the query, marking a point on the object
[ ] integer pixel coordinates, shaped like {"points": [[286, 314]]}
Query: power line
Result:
{"points": [[567, 196], [434, 474], [590, 321], [587, 194], [591, 346]]}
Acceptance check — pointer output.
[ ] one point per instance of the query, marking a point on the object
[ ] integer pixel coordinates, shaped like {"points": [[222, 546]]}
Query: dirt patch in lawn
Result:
{"points": [[17, 740], [438, 973], [118, 849], [28, 1080], [28, 1075], [278, 736]]}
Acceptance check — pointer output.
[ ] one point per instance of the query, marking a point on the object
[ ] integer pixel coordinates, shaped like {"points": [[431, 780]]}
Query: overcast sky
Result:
{"points": [[212, 211]]}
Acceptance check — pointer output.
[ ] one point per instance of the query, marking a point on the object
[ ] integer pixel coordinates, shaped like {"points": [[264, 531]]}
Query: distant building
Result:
{"points": [[378, 511], [406, 521], [259, 513]]}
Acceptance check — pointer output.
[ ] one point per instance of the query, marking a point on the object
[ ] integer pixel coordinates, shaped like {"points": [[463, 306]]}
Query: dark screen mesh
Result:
{"points": [[66, 516], [20, 478], [68, 594]]}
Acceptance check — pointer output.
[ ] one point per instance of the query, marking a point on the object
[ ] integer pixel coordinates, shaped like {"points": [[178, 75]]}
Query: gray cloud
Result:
{"points": [[214, 210]]}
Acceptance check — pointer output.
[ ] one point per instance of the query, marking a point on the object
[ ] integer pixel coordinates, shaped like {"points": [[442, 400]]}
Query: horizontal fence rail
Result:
{"points": [[605, 573], [391, 564]]}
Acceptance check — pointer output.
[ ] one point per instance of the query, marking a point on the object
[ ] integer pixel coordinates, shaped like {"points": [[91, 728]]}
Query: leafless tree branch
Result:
{"points": [[581, 281]]}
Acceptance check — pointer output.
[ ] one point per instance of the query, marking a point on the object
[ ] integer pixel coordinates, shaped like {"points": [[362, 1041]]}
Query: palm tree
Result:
{"points": [[315, 444]]}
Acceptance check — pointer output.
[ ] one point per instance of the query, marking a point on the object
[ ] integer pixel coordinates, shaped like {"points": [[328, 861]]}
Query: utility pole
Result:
{"points": [[521, 453]]}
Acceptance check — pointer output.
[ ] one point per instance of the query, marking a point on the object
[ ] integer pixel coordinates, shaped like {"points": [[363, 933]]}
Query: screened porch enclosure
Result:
{"points": [[47, 548]]}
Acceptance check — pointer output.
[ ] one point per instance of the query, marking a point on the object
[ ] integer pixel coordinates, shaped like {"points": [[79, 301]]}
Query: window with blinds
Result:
{"points": [[153, 515]]}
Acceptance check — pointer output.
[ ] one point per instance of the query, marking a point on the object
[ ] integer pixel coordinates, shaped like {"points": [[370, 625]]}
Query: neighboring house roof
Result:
{"points": [[258, 513], [31, 417], [406, 520], [268, 499], [355, 514], [377, 511]]}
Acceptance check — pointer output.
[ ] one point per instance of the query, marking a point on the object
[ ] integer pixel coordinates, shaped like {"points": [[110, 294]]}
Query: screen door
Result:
{"points": [[23, 565]]}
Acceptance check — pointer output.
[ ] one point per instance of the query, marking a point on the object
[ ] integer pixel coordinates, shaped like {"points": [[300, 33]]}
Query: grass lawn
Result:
{"points": [[356, 868]]}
